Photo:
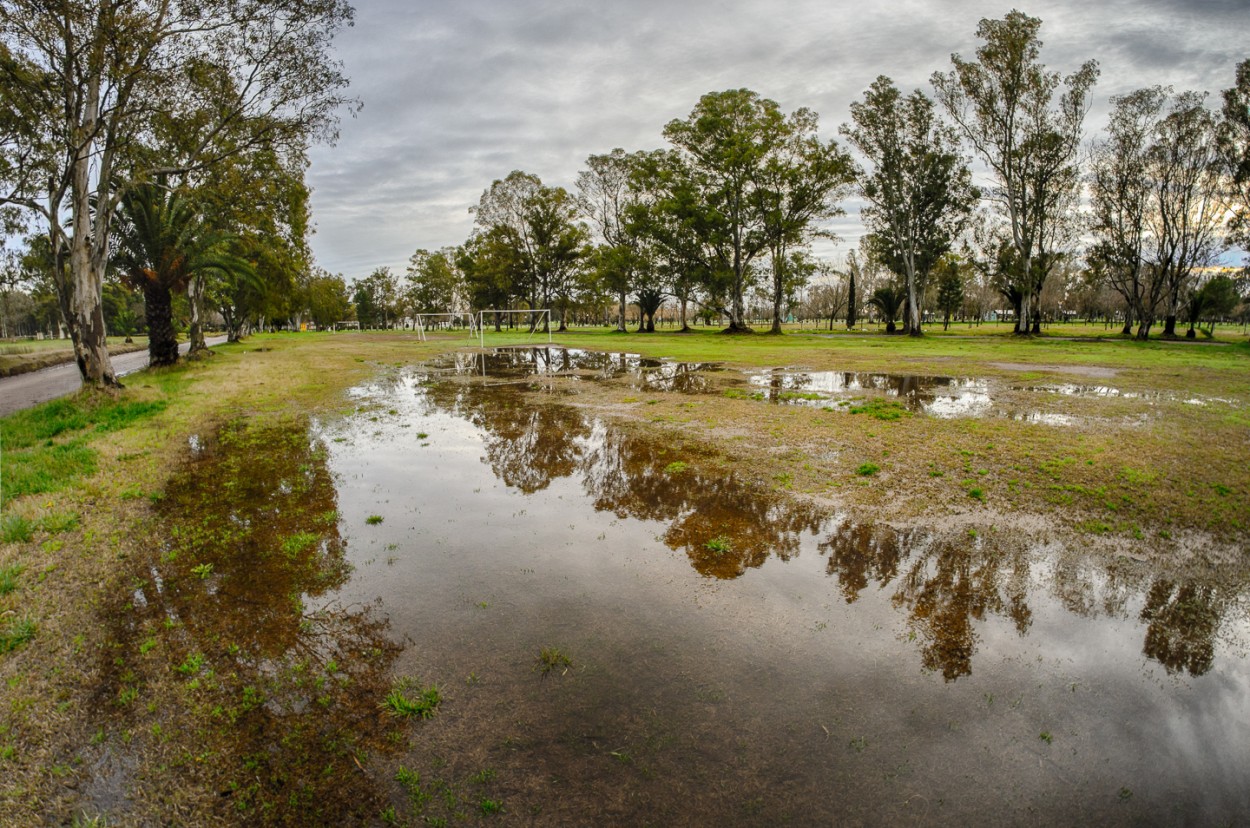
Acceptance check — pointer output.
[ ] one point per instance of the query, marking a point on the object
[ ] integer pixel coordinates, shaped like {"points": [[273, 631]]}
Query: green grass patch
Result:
{"points": [[373, 520], [407, 700], [8, 578], [16, 529], [46, 447], [550, 658], [16, 633], [886, 410], [867, 469], [675, 467], [58, 522], [299, 542]]}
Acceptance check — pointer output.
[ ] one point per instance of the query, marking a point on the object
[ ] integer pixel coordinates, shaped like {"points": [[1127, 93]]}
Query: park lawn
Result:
{"points": [[23, 356], [81, 478]]}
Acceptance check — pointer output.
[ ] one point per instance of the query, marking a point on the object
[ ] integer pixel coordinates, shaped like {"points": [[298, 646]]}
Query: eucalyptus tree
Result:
{"points": [[1235, 148], [1190, 198], [604, 197], [1004, 106], [161, 243], [919, 189], [1122, 191], [540, 225], [799, 186], [434, 282], [715, 184], [103, 95]]}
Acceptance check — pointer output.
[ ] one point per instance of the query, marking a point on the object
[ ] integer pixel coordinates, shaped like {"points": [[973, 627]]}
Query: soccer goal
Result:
{"points": [[420, 321], [538, 317]]}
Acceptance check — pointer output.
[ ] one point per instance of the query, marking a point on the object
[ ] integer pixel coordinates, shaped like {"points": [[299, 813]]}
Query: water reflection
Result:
{"points": [[936, 396], [724, 525], [234, 604], [641, 373], [947, 583]]}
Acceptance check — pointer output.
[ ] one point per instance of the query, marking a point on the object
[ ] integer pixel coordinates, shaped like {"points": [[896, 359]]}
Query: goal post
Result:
{"points": [[419, 321]]}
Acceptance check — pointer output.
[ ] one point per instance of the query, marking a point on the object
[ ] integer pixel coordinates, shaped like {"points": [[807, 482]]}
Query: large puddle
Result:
{"points": [[625, 632]]}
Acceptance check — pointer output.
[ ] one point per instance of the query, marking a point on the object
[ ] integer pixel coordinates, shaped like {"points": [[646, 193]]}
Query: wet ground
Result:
{"points": [[625, 632]]}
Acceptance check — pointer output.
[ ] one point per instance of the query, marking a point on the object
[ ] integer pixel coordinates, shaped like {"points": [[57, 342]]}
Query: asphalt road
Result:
{"points": [[26, 390]]}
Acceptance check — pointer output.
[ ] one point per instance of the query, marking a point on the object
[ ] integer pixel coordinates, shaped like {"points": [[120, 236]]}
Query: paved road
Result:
{"points": [[25, 390]]}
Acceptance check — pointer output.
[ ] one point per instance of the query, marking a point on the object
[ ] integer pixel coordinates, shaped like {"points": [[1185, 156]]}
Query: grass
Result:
{"points": [[549, 659], [867, 469], [16, 528], [46, 448], [373, 520], [16, 633], [675, 467], [407, 700], [8, 578], [718, 545], [878, 409], [1175, 465]]}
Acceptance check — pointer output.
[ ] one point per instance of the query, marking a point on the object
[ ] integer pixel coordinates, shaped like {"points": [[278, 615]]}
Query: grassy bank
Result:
{"points": [[24, 356], [97, 487]]}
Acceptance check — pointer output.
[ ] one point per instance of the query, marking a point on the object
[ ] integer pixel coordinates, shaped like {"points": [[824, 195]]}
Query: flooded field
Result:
{"points": [[621, 630]]}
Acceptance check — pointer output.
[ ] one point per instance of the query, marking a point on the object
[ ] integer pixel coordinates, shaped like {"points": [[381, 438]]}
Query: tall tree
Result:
{"points": [[1003, 104], [800, 184], [1235, 147], [919, 188], [111, 93], [1190, 207], [604, 196], [435, 283], [540, 225], [1121, 190], [723, 149]]}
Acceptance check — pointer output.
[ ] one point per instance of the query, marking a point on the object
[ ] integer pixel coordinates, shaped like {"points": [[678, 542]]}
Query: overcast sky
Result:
{"points": [[458, 93]]}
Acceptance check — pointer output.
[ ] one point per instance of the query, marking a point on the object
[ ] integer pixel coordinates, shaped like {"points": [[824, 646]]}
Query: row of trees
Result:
{"points": [[137, 135], [743, 189]]}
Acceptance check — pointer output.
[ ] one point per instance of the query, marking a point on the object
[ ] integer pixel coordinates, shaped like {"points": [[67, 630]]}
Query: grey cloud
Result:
{"points": [[458, 94]]}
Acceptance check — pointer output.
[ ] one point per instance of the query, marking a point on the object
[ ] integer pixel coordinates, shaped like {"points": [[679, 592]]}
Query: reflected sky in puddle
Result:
{"points": [[748, 653]]}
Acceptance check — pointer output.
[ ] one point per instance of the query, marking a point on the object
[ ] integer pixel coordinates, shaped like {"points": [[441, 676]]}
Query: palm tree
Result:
{"points": [[888, 300], [162, 245]]}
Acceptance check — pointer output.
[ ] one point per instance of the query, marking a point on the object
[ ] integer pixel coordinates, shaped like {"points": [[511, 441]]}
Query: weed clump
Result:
{"points": [[550, 658], [867, 469], [408, 699]]}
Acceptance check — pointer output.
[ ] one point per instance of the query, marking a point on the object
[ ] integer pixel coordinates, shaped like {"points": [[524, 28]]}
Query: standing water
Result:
{"points": [[624, 632]]}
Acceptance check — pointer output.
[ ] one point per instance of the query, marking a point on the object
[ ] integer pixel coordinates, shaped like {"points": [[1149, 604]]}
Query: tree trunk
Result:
{"points": [[850, 304], [162, 341], [195, 296], [1169, 326]]}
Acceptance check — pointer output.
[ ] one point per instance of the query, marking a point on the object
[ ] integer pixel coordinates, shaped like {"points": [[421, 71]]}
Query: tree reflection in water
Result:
{"points": [[282, 696], [945, 583]]}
